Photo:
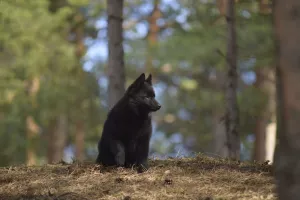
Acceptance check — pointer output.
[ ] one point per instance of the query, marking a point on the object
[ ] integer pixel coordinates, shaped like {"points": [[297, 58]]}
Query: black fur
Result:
{"points": [[127, 129]]}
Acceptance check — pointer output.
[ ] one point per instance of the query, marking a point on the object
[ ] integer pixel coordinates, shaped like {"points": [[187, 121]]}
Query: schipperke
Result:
{"points": [[127, 129]]}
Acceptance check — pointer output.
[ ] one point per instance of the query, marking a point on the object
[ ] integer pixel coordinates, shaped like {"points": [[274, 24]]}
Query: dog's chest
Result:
{"points": [[134, 129]]}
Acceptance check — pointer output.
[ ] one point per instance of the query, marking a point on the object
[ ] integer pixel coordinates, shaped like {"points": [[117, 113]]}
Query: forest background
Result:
{"points": [[54, 76]]}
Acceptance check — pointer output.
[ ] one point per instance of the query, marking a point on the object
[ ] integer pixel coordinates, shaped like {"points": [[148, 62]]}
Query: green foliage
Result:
{"points": [[33, 45]]}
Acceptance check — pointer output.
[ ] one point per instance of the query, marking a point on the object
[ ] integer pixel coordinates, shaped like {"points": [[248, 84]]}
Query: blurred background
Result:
{"points": [[53, 76]]}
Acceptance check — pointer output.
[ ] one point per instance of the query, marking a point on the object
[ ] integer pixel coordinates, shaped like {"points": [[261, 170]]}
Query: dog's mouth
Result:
{"points": [[156, 108]]}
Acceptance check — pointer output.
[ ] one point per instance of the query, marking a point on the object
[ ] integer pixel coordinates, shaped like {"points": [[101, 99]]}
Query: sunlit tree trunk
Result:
{"points": [[261, 122], [232, 112], [265, 8], [265, 135], [32, 133], [271, 139], [116, 68], [287, 159], [32, 128]]}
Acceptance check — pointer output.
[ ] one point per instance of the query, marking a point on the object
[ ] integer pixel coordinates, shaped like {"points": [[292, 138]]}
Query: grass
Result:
{"points": [[200, 178]]}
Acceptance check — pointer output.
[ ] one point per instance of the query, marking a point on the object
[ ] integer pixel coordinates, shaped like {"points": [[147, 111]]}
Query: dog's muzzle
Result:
{"points": [[156, 107]]}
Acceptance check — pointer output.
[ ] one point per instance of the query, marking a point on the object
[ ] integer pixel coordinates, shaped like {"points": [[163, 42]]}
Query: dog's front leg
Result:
{"points": [[130, 158], [142, 151], [118, 150]]}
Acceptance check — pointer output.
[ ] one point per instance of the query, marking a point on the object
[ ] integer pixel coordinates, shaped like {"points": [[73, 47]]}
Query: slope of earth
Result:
{"points": [[188, 178]]}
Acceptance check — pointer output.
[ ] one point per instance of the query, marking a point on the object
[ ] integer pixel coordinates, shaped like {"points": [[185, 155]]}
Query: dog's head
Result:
{"points": [[141, 94]]}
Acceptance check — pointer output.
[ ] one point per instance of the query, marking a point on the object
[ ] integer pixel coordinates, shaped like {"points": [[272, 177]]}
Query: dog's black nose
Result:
{"points": [[158, 106]]}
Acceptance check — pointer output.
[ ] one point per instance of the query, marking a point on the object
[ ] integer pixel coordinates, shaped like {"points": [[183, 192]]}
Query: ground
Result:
{"points": [[200, 178]]}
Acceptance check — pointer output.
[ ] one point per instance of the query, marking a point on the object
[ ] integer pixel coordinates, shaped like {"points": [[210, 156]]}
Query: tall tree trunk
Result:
{"points": [[79, 141], [116, 69], [264, 134], [266, 8], [220, 136], [259, 153], [271, 139], [260, 139], [80, 50], [287, 159], [32, 132], [32, 128], [232, 112], [57, 139], [227, 142], [219, 129]]}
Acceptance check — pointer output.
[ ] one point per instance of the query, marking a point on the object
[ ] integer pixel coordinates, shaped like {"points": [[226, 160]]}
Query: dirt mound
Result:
{"points": [[188, 178]]}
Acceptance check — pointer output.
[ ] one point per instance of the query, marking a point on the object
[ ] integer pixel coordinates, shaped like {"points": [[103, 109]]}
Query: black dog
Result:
{"points": [[127, 129]]}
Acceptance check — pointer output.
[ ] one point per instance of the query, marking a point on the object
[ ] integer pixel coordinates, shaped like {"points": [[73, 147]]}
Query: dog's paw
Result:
{"points": [[120, 159], [141, 168]]}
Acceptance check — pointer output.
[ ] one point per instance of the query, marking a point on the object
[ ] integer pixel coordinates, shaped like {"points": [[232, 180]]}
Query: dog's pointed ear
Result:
{"points": [[149, 79], [137, 83]]}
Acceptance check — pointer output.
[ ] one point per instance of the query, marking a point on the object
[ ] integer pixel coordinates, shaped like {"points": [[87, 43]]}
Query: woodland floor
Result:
{"points": [[200, 178]]}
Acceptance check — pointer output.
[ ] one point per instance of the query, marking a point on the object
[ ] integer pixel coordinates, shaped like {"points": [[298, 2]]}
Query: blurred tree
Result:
{"points": [[116, 68], [220, 136], [57, 129], [46, 91], [32, 128], [57, 139], [76, 30], [232, 111], [207, 68], [27, 53], [192, 76], [287, 28], [265, 135]]}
